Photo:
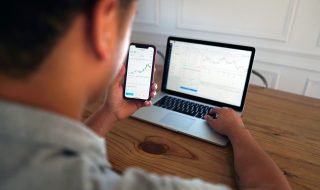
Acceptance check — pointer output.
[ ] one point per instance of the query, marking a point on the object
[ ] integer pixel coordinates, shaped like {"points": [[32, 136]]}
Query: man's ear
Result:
{"points": [[104, 27]]}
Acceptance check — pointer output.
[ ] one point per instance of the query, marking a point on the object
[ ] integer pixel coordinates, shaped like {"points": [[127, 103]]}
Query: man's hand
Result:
{"points": [[227, 122], [119, 107], [254, 168], [115, 107]]}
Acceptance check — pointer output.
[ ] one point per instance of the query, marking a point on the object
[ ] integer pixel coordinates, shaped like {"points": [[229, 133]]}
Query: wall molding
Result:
{"points": [[283, 63], [290, 52], [283, 37], [312, 59], [293, 53], [154, 22], [308, 86]]}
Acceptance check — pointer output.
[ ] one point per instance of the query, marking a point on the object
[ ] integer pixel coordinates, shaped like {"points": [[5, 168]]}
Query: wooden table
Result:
{"points": [[287, 127]]}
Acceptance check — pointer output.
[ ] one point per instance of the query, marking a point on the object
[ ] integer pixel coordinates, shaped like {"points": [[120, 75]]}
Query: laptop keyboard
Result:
{"points": [[183, 106]]}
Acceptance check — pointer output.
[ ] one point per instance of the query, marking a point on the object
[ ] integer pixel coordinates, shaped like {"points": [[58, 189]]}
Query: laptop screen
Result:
{"points": [[208, 70]]}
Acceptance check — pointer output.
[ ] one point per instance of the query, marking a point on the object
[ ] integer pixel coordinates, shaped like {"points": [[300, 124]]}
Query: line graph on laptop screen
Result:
{"points": [[210, 72]]}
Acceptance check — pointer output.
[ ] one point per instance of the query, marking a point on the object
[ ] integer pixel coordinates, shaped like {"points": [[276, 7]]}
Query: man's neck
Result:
{"points": [[34, 92]]}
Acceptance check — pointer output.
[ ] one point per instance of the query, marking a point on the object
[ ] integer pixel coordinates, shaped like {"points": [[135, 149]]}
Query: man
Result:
{"points": [[55, 57]]}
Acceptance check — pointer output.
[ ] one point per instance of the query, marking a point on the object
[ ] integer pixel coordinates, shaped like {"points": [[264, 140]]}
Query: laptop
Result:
{"points": [[199, 75]]}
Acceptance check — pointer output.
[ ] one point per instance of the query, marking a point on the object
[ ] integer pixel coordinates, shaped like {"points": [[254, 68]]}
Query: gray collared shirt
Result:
{"points": [[43, 150]]}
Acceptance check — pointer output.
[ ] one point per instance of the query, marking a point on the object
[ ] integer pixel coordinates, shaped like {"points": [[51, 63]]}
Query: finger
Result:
{"points": [[215, 110], [153, 94], [154, 86], [214, 115], [147, 103], [210, 120]]}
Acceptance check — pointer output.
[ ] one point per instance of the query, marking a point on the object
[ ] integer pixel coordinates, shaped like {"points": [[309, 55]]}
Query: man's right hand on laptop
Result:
{"points": [[227, 121]]}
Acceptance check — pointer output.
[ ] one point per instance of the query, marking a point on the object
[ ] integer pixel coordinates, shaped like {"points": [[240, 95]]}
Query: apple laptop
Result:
{"points": [[199, 75]]}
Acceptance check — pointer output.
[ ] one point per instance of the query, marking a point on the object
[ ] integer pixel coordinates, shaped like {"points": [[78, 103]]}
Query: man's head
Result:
{"points": [[70, 46], [30, 29]]}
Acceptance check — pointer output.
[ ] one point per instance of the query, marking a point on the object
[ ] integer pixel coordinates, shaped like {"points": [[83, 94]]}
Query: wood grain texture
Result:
{"points": [[287, 127]]}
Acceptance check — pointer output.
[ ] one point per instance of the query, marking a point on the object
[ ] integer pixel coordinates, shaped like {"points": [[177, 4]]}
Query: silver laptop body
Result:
{"points": [[207, 73]]}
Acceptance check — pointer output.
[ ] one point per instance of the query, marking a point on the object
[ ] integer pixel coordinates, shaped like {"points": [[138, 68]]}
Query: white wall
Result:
{"points": [[286, 34]]}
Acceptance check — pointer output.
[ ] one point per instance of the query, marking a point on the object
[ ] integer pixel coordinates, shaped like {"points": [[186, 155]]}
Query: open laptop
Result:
{"points": [[197, 76]]}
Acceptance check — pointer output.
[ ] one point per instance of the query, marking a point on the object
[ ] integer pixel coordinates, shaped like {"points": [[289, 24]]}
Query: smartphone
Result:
{"points": [[139, 71]]}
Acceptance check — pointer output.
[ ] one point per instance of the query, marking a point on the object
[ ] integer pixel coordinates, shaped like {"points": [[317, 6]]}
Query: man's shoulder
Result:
{"points": [[43, 150], [24, 165]]}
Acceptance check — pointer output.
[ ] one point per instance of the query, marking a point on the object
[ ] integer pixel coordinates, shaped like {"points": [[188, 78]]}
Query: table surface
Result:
{"points": [[286, 126]]}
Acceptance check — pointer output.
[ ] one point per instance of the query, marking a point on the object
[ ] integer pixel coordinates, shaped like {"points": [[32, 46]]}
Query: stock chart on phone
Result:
{"points": [[139, 72]]}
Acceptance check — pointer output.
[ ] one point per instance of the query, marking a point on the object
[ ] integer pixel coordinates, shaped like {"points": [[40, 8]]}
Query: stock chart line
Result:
{"points": [[147, 67], [222, 61]]}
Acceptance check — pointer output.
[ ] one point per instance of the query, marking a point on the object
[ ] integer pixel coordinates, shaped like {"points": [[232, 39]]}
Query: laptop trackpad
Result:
{"points": [[177, 121]]}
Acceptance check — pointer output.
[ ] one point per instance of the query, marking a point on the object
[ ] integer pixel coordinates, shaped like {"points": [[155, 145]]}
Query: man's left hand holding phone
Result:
{"points": [[132, 89]]}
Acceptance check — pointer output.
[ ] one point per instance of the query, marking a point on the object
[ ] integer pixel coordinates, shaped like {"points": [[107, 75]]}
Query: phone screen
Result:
{"points": [[139, 72]]}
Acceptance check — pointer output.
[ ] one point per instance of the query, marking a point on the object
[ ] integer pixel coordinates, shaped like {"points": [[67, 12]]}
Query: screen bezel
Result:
{"points": [[199, 99], [144, 46]]}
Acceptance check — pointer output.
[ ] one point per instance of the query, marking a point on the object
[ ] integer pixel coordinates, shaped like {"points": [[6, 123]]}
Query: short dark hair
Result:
{"points": [[30, 29]]}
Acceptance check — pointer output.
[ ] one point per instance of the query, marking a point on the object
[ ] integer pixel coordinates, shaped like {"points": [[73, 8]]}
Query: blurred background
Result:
{"points": [[285, 33]]}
